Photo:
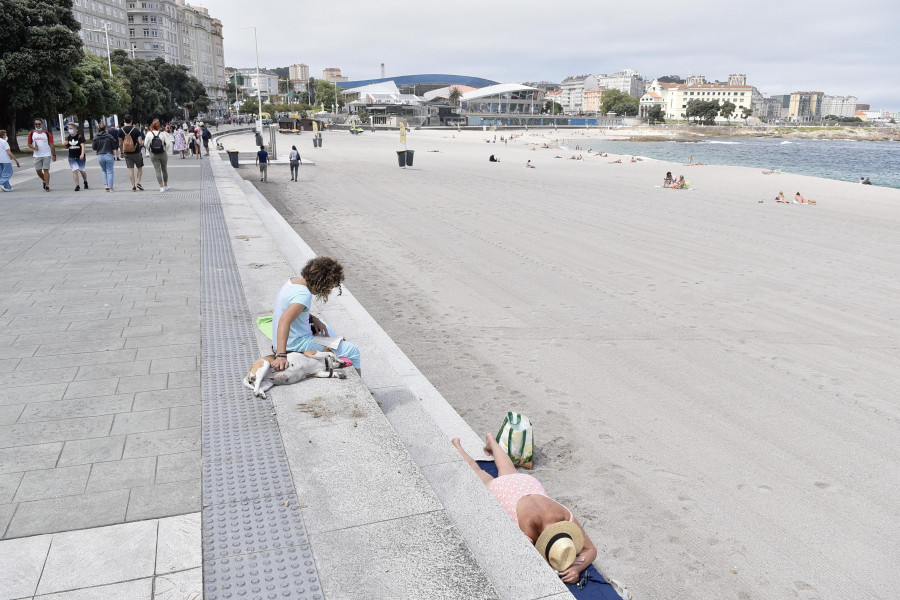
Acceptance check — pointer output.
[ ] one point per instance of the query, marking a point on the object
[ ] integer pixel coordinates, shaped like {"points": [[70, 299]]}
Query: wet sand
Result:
{"points": [[714, 382]]}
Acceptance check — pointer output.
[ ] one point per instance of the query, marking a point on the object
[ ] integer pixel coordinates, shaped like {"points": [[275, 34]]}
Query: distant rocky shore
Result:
{"points": [[667, 133]]}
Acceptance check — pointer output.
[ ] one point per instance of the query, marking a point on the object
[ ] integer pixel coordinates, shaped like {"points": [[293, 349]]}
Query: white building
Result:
{"points": [[267, 84], [572, 88], [299, 76], [839, 106], [674, 97], [96, 18], [627, 81]]}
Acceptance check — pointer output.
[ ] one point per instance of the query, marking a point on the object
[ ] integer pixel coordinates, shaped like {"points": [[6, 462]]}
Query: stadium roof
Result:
{"points": [[426, 78], [500, 88]]}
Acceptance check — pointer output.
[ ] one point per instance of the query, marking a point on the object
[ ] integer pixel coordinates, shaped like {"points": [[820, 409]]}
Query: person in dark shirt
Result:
{"points": [[262, 159], [76, 144]]}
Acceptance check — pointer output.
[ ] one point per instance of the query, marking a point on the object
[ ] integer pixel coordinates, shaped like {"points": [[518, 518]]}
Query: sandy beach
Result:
{"points": [[713, 381]]}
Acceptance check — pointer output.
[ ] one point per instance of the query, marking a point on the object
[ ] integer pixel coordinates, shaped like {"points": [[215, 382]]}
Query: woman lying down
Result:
{"points": [[546, 523]]}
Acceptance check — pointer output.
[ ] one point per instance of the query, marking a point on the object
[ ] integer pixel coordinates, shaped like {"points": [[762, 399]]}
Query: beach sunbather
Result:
{"points": [[616, 162], [669, 180], [780, 198], [799, 199], [528, 165], [680, 184], [493, 159], [547, 524]]}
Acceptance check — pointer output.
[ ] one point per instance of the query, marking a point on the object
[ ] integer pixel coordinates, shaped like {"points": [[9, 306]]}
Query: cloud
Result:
{"points": [[830, 46]]}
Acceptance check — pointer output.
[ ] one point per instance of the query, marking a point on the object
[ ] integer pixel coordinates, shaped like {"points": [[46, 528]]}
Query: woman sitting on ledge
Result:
{"points": [[293, 328], [547, 524]]}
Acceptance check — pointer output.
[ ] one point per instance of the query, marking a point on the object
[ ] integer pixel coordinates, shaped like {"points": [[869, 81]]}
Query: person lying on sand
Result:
{"points": [[618, 161], [771, 172], [669, 180], [528, 165], [633, 159], [798, 199], [547, 524]]}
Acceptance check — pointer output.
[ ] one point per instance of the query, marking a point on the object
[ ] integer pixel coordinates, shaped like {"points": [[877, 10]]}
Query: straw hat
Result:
{"points": [[560, 543]]}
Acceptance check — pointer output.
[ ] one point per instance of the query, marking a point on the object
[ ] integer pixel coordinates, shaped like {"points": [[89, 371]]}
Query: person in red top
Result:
{"points": [[41, 141]]}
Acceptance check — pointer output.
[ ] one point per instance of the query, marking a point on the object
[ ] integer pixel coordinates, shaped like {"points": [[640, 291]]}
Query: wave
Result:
{"points": [[783, 143], [718, 142]]}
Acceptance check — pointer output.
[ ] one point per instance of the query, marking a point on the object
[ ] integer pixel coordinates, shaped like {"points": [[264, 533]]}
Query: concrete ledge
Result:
{"points": [[383, 490]]}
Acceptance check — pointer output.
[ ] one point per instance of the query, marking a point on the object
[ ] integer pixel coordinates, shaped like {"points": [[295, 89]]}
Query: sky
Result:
{"points": [[839, 48]]}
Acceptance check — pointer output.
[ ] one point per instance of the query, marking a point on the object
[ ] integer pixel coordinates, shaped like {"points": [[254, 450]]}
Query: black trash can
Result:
{"points": [[401, 158], [259, 141], [233, 157], [321, 141], [315, 142], [409, 157]]}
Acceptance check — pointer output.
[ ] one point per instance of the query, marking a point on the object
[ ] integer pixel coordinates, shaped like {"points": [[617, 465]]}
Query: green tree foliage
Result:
{"points": [[727, 109], [455, 95], [704, 111], [39, 48], [363, 116], [94, 93], [670, 79], [656, 114], [619, 102], [249, 106], [553, 108], [325, 93], [746, 112], [159, 90], [183, 88]]}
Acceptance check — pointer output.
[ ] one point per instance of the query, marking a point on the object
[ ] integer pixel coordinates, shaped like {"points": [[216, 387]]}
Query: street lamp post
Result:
{"points": [[258, 86], [105, 30]]}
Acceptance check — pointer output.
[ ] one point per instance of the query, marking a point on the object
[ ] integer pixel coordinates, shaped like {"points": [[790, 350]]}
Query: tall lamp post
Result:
{"points": [[105, 30], [258, 86]]}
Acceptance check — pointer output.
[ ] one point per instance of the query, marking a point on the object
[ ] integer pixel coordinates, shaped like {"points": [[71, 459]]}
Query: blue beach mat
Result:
{"points": [[597, 587]]}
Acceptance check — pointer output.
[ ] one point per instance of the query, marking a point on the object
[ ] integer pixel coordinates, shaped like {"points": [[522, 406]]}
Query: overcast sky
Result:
{"points": [[840, 48]]}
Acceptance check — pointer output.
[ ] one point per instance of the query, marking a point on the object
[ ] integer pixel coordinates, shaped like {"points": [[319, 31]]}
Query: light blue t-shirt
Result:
{"points": [[301, 334]]}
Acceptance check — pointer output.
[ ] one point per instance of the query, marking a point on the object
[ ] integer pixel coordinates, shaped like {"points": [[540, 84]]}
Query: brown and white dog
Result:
{"points": [[301, 365]]}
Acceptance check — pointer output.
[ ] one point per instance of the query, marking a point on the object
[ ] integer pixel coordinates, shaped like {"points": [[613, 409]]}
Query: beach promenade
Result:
{"points": [[713, 380]]}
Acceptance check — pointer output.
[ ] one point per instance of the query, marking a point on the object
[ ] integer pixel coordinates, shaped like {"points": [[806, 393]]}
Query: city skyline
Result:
{"points": [[834, 50]]}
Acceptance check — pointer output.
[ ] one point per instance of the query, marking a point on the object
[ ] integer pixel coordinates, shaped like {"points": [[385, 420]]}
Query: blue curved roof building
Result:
{"points": [[429, 80]]}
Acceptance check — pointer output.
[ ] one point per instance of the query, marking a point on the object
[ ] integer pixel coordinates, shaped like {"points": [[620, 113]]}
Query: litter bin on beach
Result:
{"points": [[409, 157], [259, 141], [401, 158], [315, 142], [233, 157]]}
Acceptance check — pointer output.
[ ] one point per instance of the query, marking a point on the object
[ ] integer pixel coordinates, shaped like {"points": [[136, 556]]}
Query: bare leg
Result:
{"points": [[485, 477], [504, 464]]}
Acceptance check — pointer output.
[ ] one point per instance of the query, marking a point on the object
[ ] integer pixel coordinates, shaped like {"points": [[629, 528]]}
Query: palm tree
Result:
{"points": [[455, 95]]}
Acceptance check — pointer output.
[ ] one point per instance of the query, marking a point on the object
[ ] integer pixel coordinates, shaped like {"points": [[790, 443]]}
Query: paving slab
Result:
{"points": [[122, 474], [23, 561], [138, 589], [67, 513], [178, 545], [182, 585], [164, 499], [52, 483]]}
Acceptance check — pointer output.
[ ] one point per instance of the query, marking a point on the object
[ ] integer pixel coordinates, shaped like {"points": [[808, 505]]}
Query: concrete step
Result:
{"points": [[391, 509]]}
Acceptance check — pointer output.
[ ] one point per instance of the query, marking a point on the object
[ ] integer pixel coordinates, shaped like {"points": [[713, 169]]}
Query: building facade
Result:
{"points": [[98, 18], [333, 74], [627, 81], [674, 97], [839, 106], [806, 107], [572, 88], [299, 76], [591, 100], [267, 83]]}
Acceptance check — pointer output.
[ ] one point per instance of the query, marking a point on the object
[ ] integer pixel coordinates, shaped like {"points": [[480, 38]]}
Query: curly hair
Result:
{"points": [[323, 274]]}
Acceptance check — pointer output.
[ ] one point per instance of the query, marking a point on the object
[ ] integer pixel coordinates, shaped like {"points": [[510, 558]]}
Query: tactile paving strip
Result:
{"points": [[254, 546], [252, 526], [283, 573]]}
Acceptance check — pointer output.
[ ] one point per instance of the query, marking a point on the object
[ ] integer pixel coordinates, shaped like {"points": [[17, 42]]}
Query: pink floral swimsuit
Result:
{"points": [[509, 489]]}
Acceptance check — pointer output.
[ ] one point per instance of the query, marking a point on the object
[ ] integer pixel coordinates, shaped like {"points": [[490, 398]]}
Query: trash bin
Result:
{"points": [[259, 141], [315, 142], [409, 157], [321, 141], [401, 158], [233, 157]]}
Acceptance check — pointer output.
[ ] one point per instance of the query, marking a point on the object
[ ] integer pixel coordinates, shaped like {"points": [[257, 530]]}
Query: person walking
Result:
{"points": [[131, 142], [206, 136], [105, 145], [159, 145], [114, 133], [295, 162], [6, 160], [262, 159], [41, 142], [180, 141], [76, 144]]}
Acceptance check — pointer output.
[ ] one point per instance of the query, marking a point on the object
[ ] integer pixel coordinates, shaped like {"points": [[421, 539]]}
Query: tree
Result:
{"points": [[727, 109], [39, 49], [325, 94], [250, 106], [184, 90], [363, 115], [670, 79], [455, 95], [554, 108], [702, 110], [655, 114], [149, 99], [619, 102], [746, 112], [94, 93]]}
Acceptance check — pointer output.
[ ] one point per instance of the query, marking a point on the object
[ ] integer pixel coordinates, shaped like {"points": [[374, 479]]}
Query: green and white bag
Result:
{"points": [[516, 437]]}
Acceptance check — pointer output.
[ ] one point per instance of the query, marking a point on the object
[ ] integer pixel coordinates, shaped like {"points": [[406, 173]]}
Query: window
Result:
{"points": [[146, 32], [131, 18], [131, 31], [154, 33], [145, 19]]}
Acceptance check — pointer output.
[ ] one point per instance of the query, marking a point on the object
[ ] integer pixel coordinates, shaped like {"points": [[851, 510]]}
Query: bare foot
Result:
{"points": [[455, 442], [487, 446]]}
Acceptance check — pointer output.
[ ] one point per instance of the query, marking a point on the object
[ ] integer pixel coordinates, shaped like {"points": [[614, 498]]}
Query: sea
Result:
{"points": [[844, 160]]}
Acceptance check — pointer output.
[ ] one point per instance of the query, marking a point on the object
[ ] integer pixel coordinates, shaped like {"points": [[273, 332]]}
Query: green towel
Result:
{"points": [[264, 324]]}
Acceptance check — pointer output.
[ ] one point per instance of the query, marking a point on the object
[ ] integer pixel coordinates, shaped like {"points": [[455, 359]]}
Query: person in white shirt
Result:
{"points": [[6, 161], [41, 141]]}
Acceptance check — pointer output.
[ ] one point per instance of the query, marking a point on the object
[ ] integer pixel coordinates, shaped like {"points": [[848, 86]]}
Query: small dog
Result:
{"points": [[301, 365]]}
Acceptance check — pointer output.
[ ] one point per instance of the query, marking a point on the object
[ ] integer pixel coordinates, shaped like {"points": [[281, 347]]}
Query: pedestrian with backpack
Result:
{"points": [[131, 143], [158, 144], [206, 136]]}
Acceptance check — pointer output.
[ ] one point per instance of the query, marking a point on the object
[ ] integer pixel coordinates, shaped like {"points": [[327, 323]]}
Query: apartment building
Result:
{"points": [[98, 18], [572, 97], [299, 76], [627, 81], [266, 83], [839, 106], [805, 107], [333, 74]]}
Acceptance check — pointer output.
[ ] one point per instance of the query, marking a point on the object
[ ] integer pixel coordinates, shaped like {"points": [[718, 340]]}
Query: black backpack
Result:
{"points": [[156, 144]]}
